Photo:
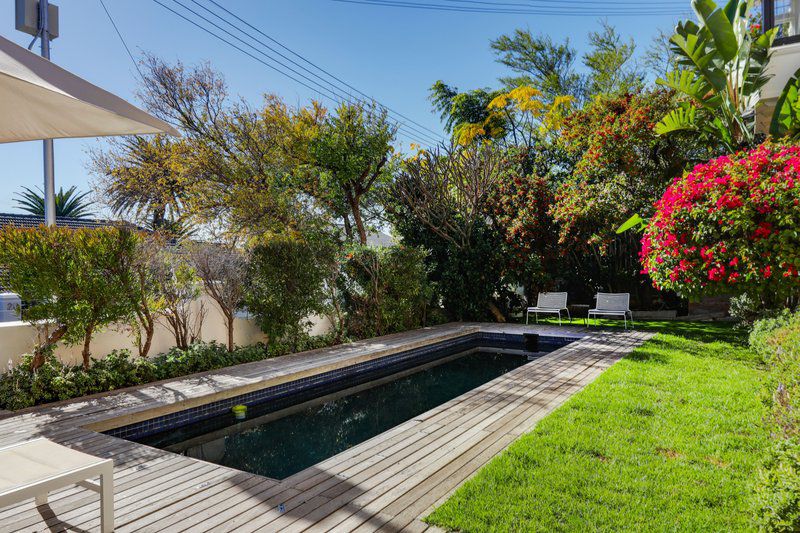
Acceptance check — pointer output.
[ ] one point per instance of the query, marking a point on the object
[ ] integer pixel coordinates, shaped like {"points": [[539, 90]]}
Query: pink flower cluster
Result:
{"points": [[728, 225]]}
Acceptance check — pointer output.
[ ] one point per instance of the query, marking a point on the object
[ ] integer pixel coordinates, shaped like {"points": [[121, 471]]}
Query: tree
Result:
{"points": [[386, 289], [622, 167], [239, 160], [74, 281], [179, 288], [349, 156], [69, 203], [143, 290], [440, 200], [541, 63], [722, 65], [458, 109], [143, 178], [286, 276], [223, 271], [612, 70], [521, 206]]}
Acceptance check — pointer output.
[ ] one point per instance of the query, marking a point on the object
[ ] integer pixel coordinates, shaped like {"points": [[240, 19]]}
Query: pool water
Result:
{"points": [[280, 447]]}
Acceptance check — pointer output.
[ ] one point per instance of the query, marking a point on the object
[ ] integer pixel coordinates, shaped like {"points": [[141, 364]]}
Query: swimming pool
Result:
{"points": [[285, 435]]}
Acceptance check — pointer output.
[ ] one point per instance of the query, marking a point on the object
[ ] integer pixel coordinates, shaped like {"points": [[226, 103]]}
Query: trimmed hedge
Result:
{"points": [[778, 491], [22, 386]]}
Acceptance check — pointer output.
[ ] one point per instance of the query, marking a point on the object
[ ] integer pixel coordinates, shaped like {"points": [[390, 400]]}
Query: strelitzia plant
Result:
{"points": [[721, 67]]}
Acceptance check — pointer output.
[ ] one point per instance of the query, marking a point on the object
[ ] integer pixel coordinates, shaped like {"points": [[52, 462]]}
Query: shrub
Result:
{"points": [[24, 386], [286, 277], [778, 491], [386, 289], [730, 226], [73, 280]]}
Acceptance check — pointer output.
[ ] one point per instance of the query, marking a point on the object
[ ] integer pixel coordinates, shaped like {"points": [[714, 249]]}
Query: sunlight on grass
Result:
{"points": [[667, 439]]}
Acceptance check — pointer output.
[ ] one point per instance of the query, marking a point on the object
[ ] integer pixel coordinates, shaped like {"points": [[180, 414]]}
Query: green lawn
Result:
{"points": [[668, 439]]}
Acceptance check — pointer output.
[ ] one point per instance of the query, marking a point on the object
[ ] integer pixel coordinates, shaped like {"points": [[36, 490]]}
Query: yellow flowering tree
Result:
{"points": [[517, 116]]}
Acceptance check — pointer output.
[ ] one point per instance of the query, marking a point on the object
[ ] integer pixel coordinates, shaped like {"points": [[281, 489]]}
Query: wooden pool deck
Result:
{"points": [[387, 483]]}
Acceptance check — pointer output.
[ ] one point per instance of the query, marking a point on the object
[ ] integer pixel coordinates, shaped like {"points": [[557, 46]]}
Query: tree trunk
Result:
{"points": [[229, 322], [498, 315], [87, 338], [355, 207], [149, 330], [52, 340]]}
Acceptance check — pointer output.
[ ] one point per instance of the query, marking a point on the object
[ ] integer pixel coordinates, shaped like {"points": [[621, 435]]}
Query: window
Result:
{"points": [[784, 15]]}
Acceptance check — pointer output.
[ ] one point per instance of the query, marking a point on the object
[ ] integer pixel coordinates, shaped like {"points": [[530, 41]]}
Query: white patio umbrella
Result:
{"points": [[40, 100]]}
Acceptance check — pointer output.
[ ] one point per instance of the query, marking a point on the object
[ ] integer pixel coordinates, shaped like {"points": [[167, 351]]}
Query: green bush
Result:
{"points": [[23, 386], [777, 340], [386, 289], [778, 489], [286, 280]]}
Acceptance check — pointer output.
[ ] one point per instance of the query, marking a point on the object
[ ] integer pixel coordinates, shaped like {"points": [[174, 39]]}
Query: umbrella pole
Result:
{"points": [[49, 164]]}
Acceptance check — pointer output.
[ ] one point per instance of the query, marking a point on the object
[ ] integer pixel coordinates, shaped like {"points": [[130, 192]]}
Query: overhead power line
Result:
{"points": [[408, 131], [314, 65], [561, 10], [122, 39]]}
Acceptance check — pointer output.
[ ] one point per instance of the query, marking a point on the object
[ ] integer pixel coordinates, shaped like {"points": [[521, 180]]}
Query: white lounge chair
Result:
{"points": [[33, 468], [549, 303], [612, 304]]}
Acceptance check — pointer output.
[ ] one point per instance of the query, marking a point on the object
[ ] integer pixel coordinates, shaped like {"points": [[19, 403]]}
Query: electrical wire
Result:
{"points": [[540, 10], [316, 87], [314, 65], [122, 39]]}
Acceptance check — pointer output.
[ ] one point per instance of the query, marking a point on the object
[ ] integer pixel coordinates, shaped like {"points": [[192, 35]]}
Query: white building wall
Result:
{"points": [[18, 338]]}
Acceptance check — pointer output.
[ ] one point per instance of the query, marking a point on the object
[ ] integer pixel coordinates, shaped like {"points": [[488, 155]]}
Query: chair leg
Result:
{"points": [[107, 502], [633, 326], [536, 315], [568, 315], [559, 317], [527, 315]]}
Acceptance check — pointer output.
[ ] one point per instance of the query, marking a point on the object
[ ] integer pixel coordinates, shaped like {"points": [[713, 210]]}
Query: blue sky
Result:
{"points": [[391, 54]]}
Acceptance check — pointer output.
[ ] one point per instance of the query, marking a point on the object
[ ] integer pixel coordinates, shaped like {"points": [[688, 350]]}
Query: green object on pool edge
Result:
{"points": [[239, 411]]}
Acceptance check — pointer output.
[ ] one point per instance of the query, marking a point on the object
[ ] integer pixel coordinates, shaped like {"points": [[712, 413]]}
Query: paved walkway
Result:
{"points": [[387, 483]]}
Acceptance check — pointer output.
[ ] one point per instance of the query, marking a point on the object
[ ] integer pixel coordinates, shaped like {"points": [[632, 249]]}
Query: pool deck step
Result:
{"points": [[387, 483]]}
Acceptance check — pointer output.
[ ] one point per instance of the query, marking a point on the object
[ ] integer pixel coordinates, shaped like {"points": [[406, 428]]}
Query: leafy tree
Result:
{"points": [[142, 290], [386, 289], [239, 160], [69, 203], [349, 156], [222, 267], [440, 201], [610, 62], [722, 65], [73, 280], [521, 206], [622, 168], [178, 286], [286, 276], [143, 179], [459, 108], [541, 63]]}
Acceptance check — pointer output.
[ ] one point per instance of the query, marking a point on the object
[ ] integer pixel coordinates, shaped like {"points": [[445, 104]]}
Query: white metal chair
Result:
{"points": [[32, 469], [612, 304], [549, 303]]}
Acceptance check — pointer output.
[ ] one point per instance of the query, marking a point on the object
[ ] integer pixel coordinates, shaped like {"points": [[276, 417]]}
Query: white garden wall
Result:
{"points": [[17, 338]]}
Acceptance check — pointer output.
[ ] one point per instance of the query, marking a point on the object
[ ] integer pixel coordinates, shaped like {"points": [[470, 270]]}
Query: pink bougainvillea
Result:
{"points": [[729, 225]]}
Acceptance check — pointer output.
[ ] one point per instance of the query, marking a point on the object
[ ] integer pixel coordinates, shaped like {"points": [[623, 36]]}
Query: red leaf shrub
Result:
{"points": [[729, 226]]}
